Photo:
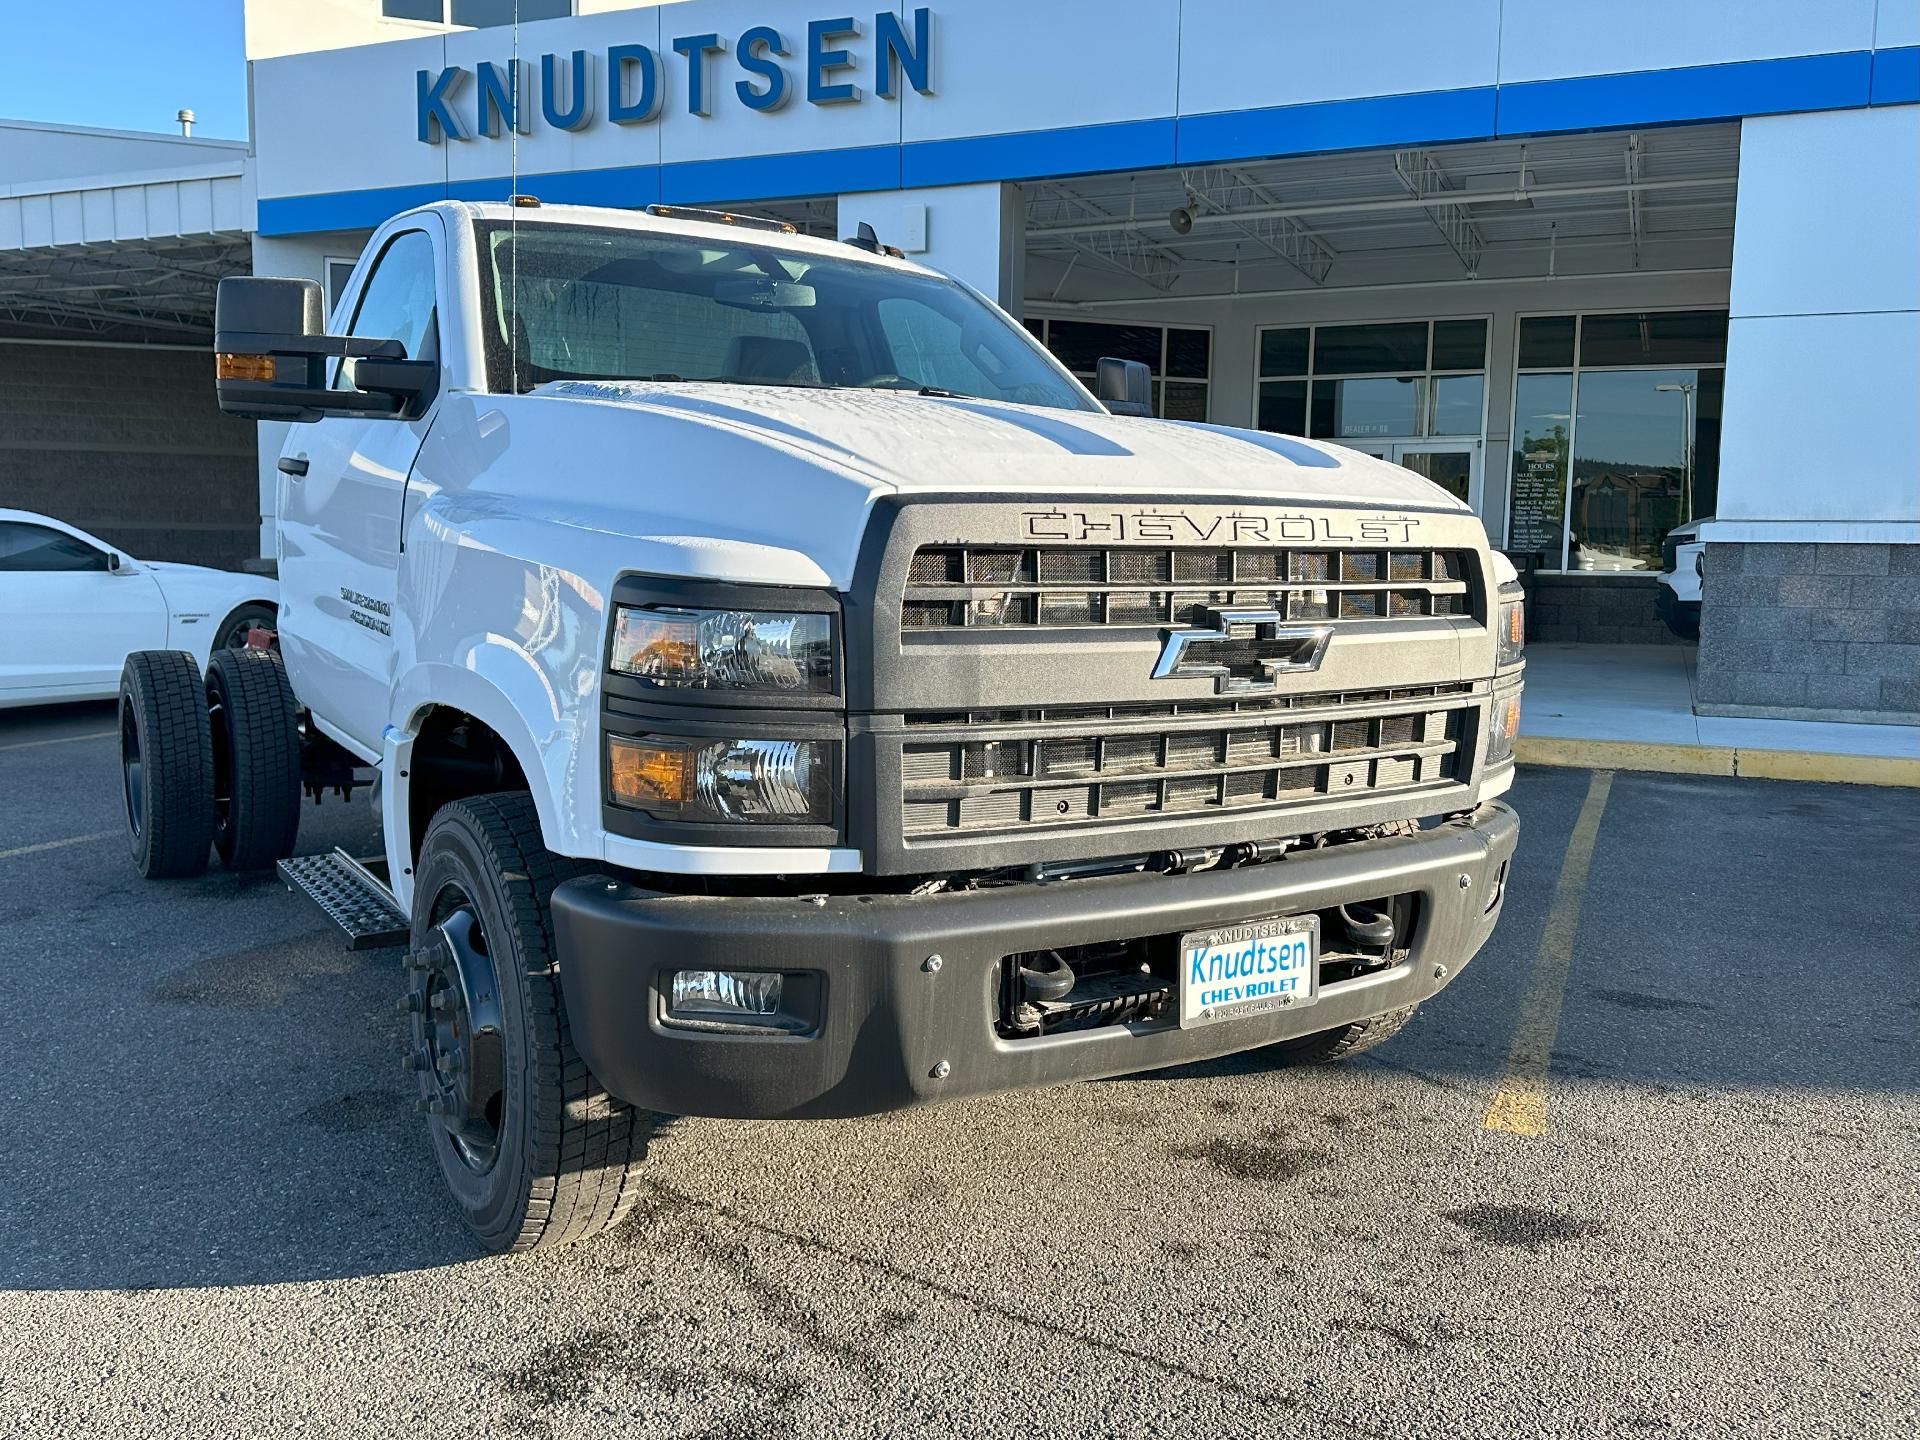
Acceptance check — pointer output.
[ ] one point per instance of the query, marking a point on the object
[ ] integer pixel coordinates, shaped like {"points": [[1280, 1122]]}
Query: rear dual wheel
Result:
{"points": [[166, 764], [208, 763], [254, 729]]}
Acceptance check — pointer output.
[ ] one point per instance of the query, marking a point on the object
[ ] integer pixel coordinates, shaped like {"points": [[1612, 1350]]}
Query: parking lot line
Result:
{"points": [[60, 740], [58, 844], [1520, 1105]]}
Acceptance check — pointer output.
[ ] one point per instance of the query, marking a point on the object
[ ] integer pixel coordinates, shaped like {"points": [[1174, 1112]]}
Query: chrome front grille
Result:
{"points": [[1044, 772], [975, 586]]}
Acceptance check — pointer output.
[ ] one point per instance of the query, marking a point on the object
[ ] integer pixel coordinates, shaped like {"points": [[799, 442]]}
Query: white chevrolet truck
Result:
{"points": [[789, 693]]}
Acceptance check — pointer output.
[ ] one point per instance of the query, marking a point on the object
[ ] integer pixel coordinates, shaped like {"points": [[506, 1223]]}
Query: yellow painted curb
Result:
{"points": [[1805, 765]]}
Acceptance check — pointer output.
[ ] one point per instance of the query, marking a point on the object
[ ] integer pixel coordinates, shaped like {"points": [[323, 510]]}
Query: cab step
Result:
{"points": [[352, 893]]}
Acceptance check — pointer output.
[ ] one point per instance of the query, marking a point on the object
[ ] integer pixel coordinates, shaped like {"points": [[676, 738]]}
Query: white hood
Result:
{"points": [[904, 442]]}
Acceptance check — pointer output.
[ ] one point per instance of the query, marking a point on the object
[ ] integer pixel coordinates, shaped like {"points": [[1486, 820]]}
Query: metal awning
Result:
{"points": [[123, 257]]}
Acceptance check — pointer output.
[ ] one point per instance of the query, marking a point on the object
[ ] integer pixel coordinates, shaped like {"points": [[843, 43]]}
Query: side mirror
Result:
{"points": [[271, 351], [117, 563], [1124, 386]]}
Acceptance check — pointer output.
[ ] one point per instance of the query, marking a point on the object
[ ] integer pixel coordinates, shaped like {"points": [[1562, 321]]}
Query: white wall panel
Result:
{"points": [[1820, 421], [96, 216], [1898, 24], [1826, 213], [163, 210], [130, 213], [1010, 65], [344, 120], [1248, 54], [975, 233], [1544, 41]]}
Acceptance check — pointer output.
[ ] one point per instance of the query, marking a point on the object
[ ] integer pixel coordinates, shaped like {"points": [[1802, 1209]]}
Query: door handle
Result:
{"points": [[294, 465]]}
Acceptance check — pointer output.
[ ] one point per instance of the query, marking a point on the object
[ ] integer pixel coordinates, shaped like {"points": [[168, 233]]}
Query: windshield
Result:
{"points": [[577, 302]]}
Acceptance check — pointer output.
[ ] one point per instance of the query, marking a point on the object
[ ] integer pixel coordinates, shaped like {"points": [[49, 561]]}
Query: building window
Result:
{"points": [[1383, 381], [1181, 360], [339, 272], [1616, 434], [477, 14]]}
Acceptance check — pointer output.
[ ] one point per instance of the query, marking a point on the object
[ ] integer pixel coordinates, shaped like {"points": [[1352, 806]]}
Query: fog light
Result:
{"points": [[725, 994]]}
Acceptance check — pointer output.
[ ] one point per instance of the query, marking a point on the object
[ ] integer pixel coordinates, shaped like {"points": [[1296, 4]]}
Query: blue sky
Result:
{"points": [[131, 67]]}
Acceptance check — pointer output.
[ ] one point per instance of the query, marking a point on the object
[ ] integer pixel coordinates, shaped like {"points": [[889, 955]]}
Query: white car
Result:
{"points": [[75, 609], [1683, 559]]}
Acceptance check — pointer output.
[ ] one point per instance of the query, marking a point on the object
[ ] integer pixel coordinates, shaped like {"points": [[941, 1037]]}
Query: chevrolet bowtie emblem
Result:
{"points": [[1243, 651]]}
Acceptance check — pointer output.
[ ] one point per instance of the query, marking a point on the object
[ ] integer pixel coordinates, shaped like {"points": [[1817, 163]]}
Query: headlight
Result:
{"points": [[725, 781], [1511, 632], [725, 649], [1503, 726]]}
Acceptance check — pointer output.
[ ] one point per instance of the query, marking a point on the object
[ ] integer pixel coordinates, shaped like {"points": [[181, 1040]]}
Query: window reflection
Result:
{"points": [[1612, 453], [1633, 465]]}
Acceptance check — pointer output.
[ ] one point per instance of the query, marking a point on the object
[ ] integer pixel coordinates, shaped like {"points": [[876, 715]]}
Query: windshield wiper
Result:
{"points": [[937, 393]]}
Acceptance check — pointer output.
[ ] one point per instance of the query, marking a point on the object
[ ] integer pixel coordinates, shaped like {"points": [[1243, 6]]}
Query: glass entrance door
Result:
{"points": [[1452, 465]]}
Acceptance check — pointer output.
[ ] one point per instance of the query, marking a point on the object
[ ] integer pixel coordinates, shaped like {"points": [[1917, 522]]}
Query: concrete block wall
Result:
{"points": [[1595, 610], [129, 444], [1811, 631]]}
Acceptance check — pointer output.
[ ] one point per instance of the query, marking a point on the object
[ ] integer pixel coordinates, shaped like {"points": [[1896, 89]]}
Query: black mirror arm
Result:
{"points": [[352, 347]]}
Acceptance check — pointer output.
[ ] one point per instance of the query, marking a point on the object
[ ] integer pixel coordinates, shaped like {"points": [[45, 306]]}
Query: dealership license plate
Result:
{"points": [[1241, 970]]}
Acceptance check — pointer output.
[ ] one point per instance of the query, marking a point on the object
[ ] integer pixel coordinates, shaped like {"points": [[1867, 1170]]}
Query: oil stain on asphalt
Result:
{"points": [[1639, 1000], [1268, 1158], [1520, 1227]]}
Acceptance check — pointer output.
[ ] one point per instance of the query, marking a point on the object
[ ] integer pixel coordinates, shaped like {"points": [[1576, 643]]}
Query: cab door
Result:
{"points": [[343, 483]]}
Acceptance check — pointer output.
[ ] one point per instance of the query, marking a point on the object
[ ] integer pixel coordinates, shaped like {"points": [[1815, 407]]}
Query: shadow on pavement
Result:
{"points": [[1733, 934]]}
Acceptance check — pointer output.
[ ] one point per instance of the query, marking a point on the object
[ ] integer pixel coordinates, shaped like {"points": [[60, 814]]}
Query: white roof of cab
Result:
{"points": [[716, 231]]}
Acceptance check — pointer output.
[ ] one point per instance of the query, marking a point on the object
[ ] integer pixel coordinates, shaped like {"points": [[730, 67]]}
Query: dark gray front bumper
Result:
{"points": [[888, 1032]]}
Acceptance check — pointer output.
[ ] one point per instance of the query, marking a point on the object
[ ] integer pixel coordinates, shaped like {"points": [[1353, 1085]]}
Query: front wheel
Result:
{"points": [[1325, 1046], [532, 1149]]}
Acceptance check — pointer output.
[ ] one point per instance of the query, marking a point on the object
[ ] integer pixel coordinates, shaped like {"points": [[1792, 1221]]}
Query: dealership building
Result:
{"points": [[1598, 267]]}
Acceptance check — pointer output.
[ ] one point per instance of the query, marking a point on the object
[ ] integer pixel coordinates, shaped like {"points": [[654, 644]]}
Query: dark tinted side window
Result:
{"points": [[34, 547]]}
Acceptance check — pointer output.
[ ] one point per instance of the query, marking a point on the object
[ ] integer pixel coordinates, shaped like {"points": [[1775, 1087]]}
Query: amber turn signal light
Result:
{"points": [[243, 367], [649, 776]]}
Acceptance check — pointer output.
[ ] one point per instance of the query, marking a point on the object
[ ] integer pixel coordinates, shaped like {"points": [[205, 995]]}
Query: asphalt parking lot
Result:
{"points": [[217, 1215]]}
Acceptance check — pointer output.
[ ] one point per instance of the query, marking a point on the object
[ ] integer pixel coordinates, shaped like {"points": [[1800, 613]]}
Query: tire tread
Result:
{"points": [[585, 1147], [263, 723], [163, 690]]}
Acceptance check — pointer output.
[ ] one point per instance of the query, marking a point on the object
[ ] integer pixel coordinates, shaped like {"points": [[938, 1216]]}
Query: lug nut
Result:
{"points": [[941, 1071], [415, 1062], [1439, 972], [1466, 882], [408, 1004], [931, 964]]}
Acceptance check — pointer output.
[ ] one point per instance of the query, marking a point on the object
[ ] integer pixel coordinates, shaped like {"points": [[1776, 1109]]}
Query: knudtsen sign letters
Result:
{"points": [[631, 82]]}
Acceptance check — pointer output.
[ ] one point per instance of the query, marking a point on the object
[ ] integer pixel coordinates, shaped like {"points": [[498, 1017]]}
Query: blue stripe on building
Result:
{"points": [[1692, 94]]}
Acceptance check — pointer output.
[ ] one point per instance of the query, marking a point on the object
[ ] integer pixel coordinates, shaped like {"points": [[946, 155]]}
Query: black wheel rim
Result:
{"points": [[459, 1052], [236, 638], [133, 771]]}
